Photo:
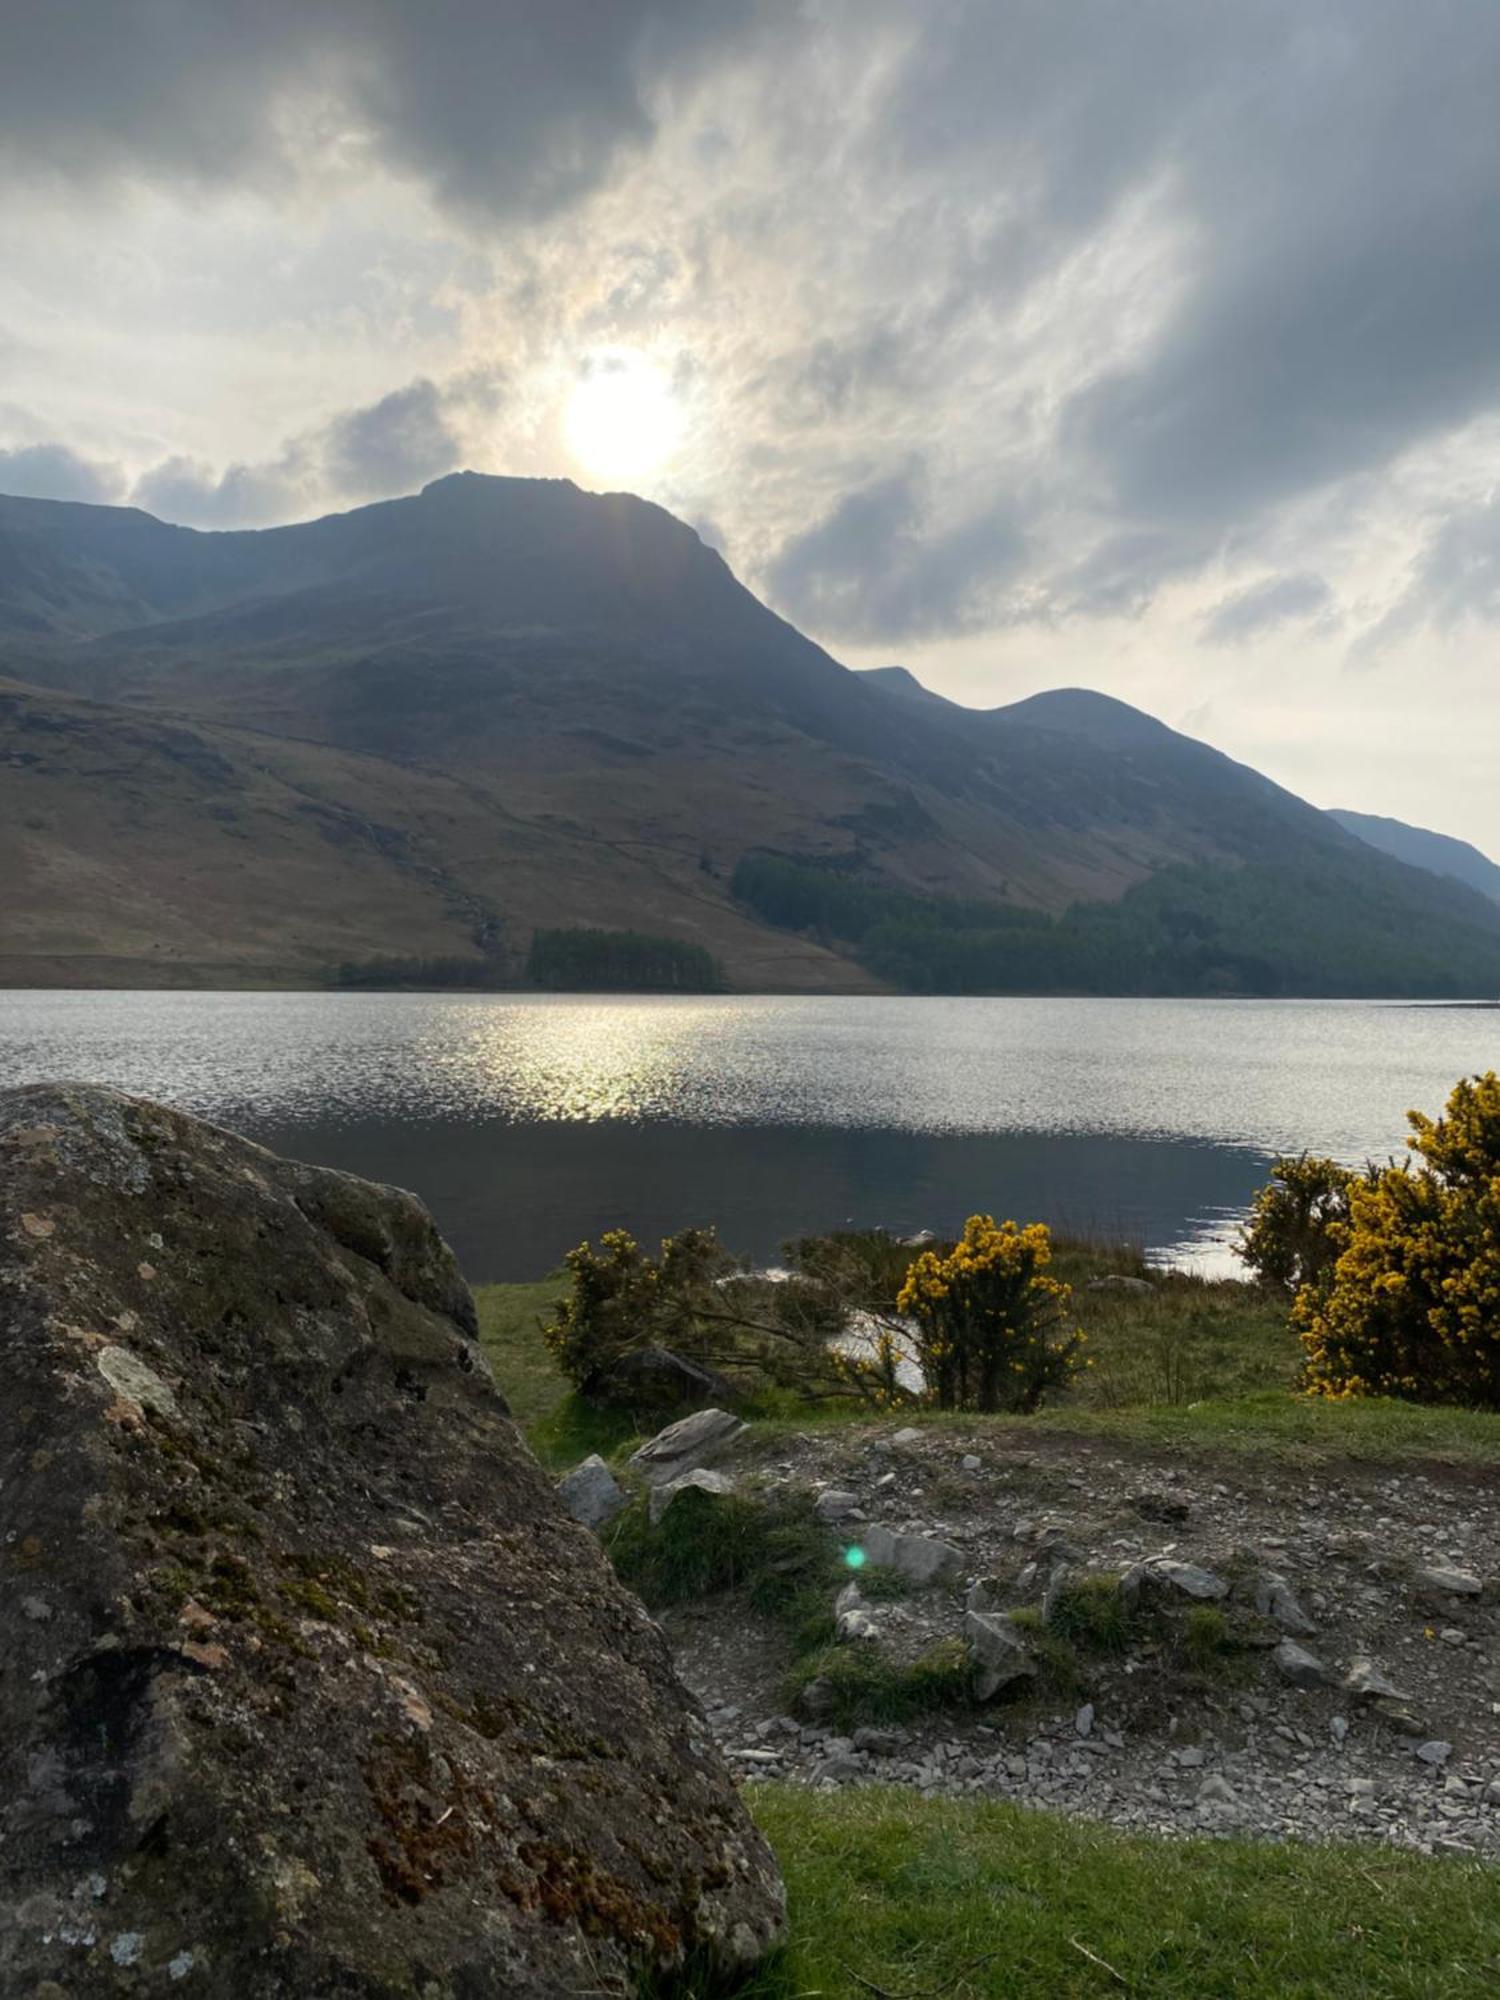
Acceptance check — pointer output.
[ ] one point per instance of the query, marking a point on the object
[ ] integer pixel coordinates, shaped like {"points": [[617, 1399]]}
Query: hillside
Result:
{"points": [[1438, 853], [427, 727]]}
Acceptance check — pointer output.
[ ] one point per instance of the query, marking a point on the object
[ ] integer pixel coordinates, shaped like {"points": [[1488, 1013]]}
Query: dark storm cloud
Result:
{"points": [[1246, 614], [504, 107], [877, 567], [54, 472], [390, 447]]}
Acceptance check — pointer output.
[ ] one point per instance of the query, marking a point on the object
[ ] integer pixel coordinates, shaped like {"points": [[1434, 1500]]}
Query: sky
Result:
{"points": [[1145, 345]]}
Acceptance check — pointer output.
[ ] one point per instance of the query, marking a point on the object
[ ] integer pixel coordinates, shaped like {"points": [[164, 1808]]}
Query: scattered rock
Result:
{"points": [[1295, 1664], [1434, 1752], [971, 1461], [1216, 1790], [380, 1789], [1366, 1681], [1169, 1508], [909, 1436], [1187, 1579], [999, 1651], [833, 1504], [714, 1485], [1083, 1721], [591, 1493], [1440, 1582], [1273, 1598], [919, 1558], [684, 1446]]}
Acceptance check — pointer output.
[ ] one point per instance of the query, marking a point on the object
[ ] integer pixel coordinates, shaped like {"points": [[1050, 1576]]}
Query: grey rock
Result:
{"points": [[713, 1486], [1117, 1281], [329, 1798], [1273, 1598], [1216, 1790], [1000, 1653], [1295, 1664], [880, 1742], [591, 1493], [986, 1593], [919, 1558], [1167, 1574], [850, 1598], [1443, 1582], [833, 1504], [856, 1625], [912, 1434], [971, 1462], [1366, 1681], [1083, 1721], [1434, 1752], [682, 1447]]}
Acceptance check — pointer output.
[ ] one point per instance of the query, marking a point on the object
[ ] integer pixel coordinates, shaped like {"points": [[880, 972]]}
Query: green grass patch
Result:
{"points": [[983, 1901], [865, 1685], [777, 1551], [1090, 1612]]}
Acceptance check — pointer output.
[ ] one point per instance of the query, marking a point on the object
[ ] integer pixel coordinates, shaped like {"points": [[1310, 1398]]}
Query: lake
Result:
{"points": [[528, 1122]]}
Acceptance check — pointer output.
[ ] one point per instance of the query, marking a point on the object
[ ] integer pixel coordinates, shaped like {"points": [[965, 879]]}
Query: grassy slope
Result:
{"points": [[1196, 1367], [901, 1896]]}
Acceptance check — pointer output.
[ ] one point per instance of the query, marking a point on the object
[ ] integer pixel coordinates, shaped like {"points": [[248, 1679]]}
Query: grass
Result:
{"points": [[865, 1685], [1227, 1341], [977, 1900]]}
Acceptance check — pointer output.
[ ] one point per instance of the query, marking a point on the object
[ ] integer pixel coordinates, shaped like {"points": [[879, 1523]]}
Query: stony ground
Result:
{"points": [[1144, 1742]]}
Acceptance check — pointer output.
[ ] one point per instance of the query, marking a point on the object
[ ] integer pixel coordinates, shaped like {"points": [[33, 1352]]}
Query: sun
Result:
{"points": [[622, 420]]}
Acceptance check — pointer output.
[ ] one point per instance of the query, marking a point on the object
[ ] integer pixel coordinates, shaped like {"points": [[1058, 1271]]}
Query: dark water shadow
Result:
{"points": [[512, 1198]]}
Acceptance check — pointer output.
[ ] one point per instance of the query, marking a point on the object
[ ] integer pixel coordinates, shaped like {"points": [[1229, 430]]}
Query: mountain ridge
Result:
{"points": [[549, 707]]}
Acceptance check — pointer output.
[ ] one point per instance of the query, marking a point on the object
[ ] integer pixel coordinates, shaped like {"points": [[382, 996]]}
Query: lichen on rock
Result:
{"points": [[318, 1689]]}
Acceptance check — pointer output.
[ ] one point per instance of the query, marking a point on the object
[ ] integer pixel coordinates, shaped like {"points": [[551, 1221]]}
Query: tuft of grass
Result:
{"points": [[1205, 1642], [866, 1685], [986, 1901], [778, 1552], [1091, 1613], [1058, 1673]]}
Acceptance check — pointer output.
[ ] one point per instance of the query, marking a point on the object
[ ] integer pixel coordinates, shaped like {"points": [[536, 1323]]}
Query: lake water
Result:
{"points": [[528, 1122]]}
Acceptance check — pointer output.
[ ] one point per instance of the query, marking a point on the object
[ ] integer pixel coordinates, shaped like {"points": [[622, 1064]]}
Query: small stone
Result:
{"points": [[1451, 1636], [971, 1461], [1442, 1582], [1338, 1728], [911, 1435], [1365, 1680], [1189, 1579], [1434, 1752], [919, 1558], [591, 1493], [684, 1446], [1273, 1599], [1117, 1281], [1190, 1759], [1083, 1721], [714, 1485], [833, 1504], [1295, 1664], [999, 1652], [1216, 1790]]}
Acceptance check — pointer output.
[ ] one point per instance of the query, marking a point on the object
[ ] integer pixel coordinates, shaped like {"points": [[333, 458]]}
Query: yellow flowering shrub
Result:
{"points": [[992, 1328], [1298, 1222], [623, 1300], [1413, 1305]]}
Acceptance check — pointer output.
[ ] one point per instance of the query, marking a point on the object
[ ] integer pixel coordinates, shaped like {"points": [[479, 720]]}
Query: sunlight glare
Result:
{"points": [[622, 420]]}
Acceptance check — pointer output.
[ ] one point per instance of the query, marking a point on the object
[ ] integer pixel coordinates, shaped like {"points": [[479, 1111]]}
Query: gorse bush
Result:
{"points": [[992, 1328], [1412, 1307], [1298, 1222], [622, 1300]]}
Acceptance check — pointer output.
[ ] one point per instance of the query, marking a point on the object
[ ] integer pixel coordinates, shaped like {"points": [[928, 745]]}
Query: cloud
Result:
{"points": [[879, 568], [501, 107], [1260, 607], [385, 449], [1453, 583], [57, 472]]}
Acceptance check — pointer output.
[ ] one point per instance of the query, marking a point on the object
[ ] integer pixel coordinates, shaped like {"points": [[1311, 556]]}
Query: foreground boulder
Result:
{"points": [[308, 1685]]}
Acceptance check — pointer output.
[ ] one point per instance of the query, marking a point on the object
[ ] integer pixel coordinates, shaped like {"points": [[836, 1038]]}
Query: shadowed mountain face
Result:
{"points": [[504, 703], [1439, 853]]}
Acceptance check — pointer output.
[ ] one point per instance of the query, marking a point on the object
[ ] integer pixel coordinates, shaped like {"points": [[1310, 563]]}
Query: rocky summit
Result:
{"points": [[308, 1683]]}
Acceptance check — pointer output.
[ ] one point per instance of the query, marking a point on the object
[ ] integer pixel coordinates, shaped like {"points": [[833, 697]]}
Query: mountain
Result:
{"points": [[1438, 853], [427, 728]]}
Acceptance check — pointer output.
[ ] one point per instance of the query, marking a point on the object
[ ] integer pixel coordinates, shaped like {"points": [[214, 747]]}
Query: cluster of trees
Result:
{"points": [[471, 974], [1327, 928], [1393, 1273], [620, 961]]}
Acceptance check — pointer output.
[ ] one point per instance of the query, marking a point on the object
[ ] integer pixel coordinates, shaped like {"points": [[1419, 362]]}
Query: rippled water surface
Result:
{"points": [[530, 1121]]}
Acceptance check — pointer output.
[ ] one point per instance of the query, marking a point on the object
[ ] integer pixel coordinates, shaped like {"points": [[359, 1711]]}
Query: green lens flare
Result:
{"points": [[855, 1558]]}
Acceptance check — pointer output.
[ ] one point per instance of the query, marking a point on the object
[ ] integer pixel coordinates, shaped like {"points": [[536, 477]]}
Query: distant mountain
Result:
{"points": [[1438, 853], [426, 729]]}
